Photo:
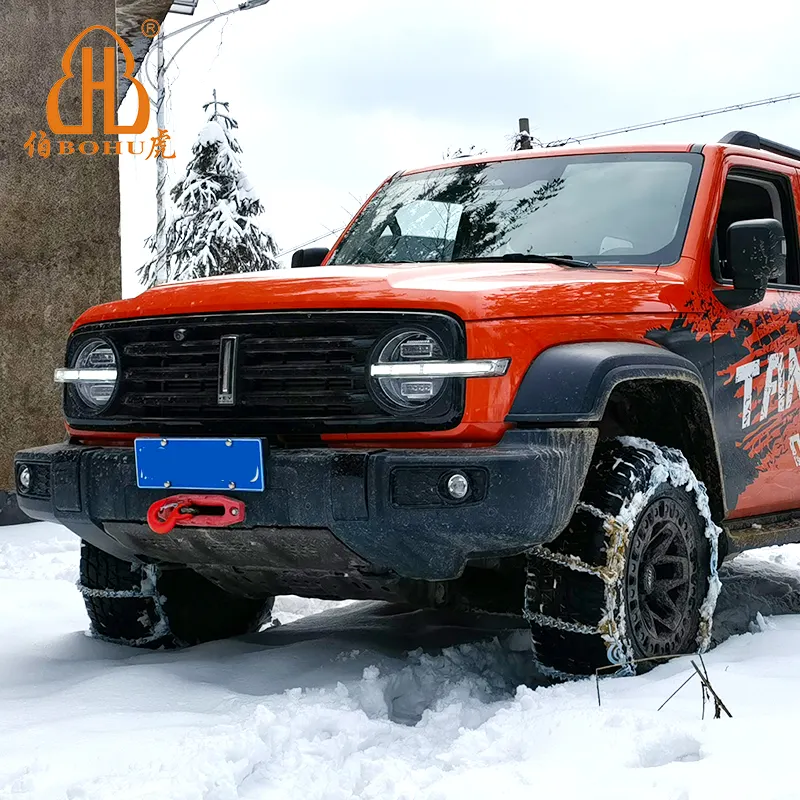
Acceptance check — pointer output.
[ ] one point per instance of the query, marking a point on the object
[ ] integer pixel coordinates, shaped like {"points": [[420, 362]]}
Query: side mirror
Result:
{"points": [[310, 257], [756, 255]]}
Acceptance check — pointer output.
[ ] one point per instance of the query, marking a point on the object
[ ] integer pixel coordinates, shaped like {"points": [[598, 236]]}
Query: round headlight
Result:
{"points": [[95, 354], [404, 347]]}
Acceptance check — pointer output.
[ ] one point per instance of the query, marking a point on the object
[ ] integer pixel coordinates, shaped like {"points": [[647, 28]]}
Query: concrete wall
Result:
{"points": [[59, 217], [59, 221]]}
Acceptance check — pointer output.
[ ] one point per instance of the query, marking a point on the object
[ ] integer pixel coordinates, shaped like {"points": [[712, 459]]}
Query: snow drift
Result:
{"points": [[373, 701]]}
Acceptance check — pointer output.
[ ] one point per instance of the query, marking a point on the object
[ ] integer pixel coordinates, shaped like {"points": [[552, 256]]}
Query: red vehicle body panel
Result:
{"points": [[519, 310]]}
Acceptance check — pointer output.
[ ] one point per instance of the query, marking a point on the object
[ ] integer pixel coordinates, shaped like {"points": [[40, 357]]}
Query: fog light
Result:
{"points": [[457, 486], [24, 477]]}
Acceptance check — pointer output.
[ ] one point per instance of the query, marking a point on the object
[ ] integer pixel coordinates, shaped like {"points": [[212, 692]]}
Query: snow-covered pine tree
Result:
{"points": [[213, 232]]}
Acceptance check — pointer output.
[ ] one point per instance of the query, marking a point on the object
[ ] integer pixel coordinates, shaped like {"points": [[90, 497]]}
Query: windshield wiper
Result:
{"points": [[534, 258]]}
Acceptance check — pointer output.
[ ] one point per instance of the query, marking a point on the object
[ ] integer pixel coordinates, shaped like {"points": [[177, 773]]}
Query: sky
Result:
{"points": [[332, 96]]}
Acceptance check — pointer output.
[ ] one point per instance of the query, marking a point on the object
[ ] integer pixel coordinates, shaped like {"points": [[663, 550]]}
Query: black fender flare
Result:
{"points": [[572, 382]]}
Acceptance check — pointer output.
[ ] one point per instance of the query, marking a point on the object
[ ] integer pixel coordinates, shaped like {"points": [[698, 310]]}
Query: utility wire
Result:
{"points": [[671, 120], [614, 132], [310, 241]]}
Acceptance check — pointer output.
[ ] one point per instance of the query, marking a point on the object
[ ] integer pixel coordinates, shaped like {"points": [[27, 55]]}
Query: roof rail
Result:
{"points": [[747, 139]]}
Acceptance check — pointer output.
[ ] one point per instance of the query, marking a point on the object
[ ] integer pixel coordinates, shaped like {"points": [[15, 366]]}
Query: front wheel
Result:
{"points": [[144, 606], [634, 576]]}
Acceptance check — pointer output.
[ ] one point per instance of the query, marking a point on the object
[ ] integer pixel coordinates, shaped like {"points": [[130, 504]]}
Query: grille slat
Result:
{"points": [[304, 398], [296, 372], [180, 373], [165, 400], [180, 349], [324, 343], [280, 371]]}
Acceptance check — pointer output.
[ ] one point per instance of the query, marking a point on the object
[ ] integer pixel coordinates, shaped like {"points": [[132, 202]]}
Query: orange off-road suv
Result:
{"points": [[563, 383]]}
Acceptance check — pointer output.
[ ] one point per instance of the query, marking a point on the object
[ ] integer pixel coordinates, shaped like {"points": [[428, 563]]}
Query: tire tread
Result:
{"points": [[191, 609]]}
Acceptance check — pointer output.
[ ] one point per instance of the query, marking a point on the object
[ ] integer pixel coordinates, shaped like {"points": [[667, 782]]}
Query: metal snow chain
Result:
{"points": [[87, 592], [571, 562], [129, 642], [552, 622], [594, 511]]}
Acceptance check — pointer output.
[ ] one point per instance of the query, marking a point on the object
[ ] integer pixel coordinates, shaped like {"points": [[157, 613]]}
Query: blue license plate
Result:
{"points": [[200, 464]]}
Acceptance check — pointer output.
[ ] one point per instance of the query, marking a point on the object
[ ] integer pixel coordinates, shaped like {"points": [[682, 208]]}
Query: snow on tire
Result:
{"points": [[634, 576], [142, 606]]}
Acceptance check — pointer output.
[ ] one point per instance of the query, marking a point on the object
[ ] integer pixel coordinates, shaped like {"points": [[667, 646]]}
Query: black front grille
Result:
{"points": [[295, 372]]}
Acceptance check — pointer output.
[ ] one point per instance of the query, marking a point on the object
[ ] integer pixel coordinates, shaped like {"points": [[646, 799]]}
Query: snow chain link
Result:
{"points": [[87, 592], [552, 622], [149, 589]]}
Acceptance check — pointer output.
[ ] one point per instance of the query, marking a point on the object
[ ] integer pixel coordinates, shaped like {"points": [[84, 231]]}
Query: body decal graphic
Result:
{"points": [[753, 380]]}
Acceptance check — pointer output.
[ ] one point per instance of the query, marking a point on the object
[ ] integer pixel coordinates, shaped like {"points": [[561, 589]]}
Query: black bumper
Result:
{"points": [[386, 506]]}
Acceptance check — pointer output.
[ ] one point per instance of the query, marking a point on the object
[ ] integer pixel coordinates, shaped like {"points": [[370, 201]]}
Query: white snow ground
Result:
{"points": [[334, 706]]}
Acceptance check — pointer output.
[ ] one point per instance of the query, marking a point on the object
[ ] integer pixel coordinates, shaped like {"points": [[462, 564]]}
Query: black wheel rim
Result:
{"points": [[661, 579]]}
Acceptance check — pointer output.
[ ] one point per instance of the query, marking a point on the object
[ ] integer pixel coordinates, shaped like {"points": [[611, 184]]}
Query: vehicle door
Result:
{"points": [[757, 386]]}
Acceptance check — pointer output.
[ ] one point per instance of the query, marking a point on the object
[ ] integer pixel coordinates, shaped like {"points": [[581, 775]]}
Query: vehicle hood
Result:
{"points": [[472, 291]]}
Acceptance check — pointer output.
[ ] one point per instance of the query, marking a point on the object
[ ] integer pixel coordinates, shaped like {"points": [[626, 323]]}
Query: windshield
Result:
{"points": [[628, 208]]}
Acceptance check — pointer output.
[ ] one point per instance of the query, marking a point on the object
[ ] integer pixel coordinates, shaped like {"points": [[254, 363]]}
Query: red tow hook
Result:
{"points": [[195, 510]]}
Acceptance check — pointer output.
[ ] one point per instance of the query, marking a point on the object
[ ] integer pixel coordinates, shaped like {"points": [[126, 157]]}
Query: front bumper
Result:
{"points": [[383, 505]]}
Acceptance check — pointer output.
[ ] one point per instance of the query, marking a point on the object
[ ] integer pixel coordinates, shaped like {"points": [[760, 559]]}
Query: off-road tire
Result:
{"points": [[143, 606], [634, 575]]}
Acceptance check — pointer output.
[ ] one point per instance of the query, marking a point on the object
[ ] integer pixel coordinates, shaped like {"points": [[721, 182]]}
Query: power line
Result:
{"points": [[614, 132], [670, 120], [310, 241]]}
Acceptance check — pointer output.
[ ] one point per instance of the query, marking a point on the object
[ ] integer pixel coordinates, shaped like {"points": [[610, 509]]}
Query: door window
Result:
{"points": [[750, 195]]}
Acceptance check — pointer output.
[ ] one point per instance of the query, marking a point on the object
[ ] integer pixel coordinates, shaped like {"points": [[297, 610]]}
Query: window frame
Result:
{"points": [[784, 185]]}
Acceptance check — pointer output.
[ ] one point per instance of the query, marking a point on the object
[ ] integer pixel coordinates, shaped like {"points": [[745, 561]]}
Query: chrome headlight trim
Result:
{"points": [[91, 377], [477, 368], [85, 375]]}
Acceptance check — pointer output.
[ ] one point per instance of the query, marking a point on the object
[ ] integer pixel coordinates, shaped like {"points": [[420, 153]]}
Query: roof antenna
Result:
{"points": [[523, 138]]}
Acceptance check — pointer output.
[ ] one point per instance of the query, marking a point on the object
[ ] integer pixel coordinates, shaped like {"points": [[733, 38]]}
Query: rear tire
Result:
{"points": [[144, 606], [634, 576]]}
